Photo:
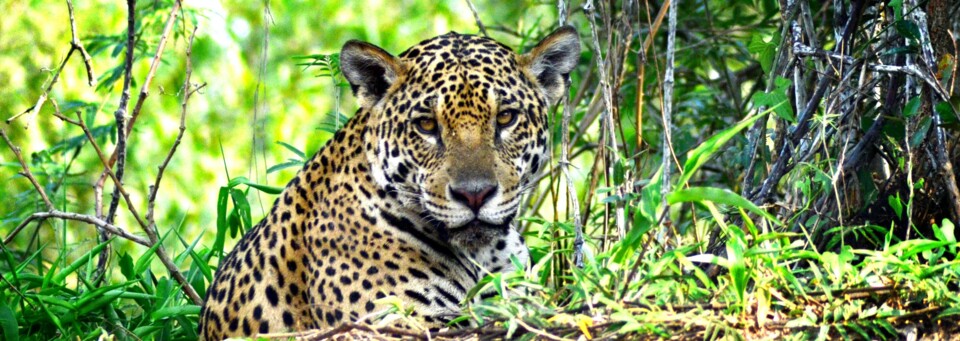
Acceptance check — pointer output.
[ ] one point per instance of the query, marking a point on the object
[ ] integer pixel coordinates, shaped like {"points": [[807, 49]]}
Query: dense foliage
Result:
{"points": [[722, 169]]}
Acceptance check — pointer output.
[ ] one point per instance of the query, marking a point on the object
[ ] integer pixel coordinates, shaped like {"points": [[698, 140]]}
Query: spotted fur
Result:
{"points": [[413, 198]]}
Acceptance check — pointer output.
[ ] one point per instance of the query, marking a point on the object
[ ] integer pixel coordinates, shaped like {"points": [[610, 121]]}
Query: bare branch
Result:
{"points": [[667, 111], [483, 30], [110, 173], [152, 196], [161, 45], [783, 163], [120, 151], [26, 171], [605, 85], [571, 190], [941, 161], [99, 223], [76, 45], [120, 114], [32, 111]]}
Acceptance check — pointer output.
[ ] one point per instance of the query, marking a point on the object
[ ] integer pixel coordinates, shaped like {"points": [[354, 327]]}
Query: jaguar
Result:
{"points": [[414, 198]]}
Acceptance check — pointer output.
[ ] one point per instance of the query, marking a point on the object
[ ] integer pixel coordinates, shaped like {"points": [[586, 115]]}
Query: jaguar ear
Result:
{"points": [[552, 60], [370, 71]]}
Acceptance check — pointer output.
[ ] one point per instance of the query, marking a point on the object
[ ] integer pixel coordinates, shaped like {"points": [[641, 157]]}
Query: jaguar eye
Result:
{"points": [[426, 125], [506, 117]]}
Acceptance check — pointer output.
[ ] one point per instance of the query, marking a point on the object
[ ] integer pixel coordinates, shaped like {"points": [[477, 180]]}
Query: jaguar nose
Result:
{"points": [[473, 195]]}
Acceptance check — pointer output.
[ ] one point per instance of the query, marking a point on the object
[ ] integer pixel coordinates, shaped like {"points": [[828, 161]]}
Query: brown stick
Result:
{"points": [[144, 89], [74, 46], [171, 267], [151, 233], [476, 17], [26, 171], [161, 45], [152, 196], [783, 163], [116, 230]]}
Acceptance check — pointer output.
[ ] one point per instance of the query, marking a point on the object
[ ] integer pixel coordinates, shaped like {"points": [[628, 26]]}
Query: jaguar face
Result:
{"points": [[459, 125]]}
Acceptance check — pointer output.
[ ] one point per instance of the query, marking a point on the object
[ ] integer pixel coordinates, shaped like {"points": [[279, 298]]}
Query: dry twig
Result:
{"points": [[97, 222], [564, 164], [667, 111], [75, 45], [26, 170], [476, 17]]}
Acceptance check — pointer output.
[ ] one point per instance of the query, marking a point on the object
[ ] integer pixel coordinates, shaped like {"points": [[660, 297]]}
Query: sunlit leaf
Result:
{"points": [[717, 195]]}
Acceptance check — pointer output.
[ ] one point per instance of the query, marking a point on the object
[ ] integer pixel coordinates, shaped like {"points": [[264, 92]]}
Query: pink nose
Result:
{"points": [[473, 196]]}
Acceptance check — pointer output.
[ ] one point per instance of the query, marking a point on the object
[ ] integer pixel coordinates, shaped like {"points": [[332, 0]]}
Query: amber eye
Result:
{"points": [[506, 117], [426, 125]]}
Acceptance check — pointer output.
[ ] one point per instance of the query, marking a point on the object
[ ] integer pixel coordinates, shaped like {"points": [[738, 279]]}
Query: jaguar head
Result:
{"points": [[458, 125]]}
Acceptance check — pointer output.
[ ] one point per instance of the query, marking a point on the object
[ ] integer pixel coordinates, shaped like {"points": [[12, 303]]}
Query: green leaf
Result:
{"points": [[620, 169], [908, 29], [8, 322], [899, 50], [172, 312], [59, 278], [143, 263], [911, 107], [897, 6], [242, 207], [921, 132], [126, 266], [946, 229], [222, 201], [98, 301], [896, 204], [915, 246], [766, 50], [263, 188], [284, 165], [650, 196], [333, 121], [952, 311], [293, 149], [948, 117], [777, 99], [626, 247], [704, 152], [723, 196]]}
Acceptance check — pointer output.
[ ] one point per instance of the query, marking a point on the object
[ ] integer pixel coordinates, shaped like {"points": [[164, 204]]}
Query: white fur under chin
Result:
{"points": [[487, 256]]}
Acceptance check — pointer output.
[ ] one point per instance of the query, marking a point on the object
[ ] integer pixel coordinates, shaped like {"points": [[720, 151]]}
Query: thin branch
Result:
{"points": [[99, 223], [571, 190], [148, 229], [120, 114], [941, 161], [476, 16], [605, 86], [668, 105], [33, 110], [76, 45], [26, 171], [783, 163], [103, 160], [161, 45], [152, 196], [144, 89]]}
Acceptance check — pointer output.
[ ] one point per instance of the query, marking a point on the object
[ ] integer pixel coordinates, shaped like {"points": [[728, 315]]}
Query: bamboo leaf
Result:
{"points": [[722, 196], [705, 151]]}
